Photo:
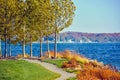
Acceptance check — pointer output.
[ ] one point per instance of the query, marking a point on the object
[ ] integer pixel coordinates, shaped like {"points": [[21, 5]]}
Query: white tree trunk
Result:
{"points": [[24, 41], [48, 48], [5, 36], [10, 52], [40, 47], [55, 45], [30, 46], [0, 47], [23, 48]]}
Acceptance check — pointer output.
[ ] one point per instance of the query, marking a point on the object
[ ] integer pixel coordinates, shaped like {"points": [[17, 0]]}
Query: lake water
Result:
{"points": [[109, 53]]}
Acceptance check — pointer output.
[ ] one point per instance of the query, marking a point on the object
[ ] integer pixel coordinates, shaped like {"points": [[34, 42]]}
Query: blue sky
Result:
{"points": [[96, 16]]}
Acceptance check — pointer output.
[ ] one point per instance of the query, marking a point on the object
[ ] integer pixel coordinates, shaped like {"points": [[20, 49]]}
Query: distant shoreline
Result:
{"points": [[79, 42]]}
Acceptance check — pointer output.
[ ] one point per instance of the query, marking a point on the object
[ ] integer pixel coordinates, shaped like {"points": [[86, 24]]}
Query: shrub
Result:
{"points": [[90, 65], [70, 55], [98, 74], [59, 55], [65, 54], [71, 64], [80, 58], [21, 56], [66, 65], [50, 54], [87, 77]]}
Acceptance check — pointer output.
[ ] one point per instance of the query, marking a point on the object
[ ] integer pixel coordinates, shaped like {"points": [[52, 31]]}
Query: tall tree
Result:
{"points": [[1, 24], [64, 13], [20, 19], [33, 16], [21, 24], [42, 24], [9, 12]]}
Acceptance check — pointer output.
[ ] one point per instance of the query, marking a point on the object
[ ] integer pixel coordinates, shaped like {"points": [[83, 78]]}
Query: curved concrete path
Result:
{"points": [[51, 67]]}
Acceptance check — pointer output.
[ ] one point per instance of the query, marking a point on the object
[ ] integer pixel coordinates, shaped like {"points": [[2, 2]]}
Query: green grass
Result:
{"points": [[74, 78], [57, 62], [23, 70], [71, 70]]}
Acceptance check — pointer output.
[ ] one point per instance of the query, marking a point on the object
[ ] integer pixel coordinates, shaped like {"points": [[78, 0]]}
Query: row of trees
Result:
{"points": [[25, 21]]}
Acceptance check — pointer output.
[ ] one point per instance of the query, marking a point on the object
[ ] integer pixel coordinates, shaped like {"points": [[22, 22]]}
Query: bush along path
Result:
{"points": [[64, 75]]}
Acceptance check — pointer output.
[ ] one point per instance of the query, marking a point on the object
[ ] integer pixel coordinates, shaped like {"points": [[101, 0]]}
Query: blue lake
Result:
{"points": [[109, 53]]}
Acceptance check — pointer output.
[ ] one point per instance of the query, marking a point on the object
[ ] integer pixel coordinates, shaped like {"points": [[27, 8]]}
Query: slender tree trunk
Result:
{"points": [[41, 45], [30, 46], [55, 44], [5, 36], [24, 41], [48, 48], [23, 47], [10, 50], [0, 47]]}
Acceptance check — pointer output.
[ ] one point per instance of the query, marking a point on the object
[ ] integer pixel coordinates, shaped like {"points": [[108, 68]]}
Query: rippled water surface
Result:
{"points": [[109, 53]]}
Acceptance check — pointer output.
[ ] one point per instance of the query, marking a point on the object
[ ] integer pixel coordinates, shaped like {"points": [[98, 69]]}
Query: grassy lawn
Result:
{"points": [[74, 78], [57, 62], [23, 70]]}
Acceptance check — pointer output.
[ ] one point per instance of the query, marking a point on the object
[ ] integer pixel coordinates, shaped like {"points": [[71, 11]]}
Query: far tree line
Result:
{"points": [[25, 21]]}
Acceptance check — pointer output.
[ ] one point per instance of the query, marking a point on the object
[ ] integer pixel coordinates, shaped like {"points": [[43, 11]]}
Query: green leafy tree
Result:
{"points": [[30, 20], [49, 28], [43, 15], [9, 12], [64, 13], [33, 18], [21, 24]]}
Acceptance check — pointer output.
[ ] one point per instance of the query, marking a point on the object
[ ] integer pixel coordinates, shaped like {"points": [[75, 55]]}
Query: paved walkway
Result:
{"points": [[51, 67]]}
